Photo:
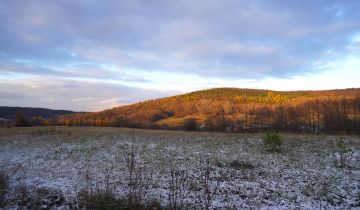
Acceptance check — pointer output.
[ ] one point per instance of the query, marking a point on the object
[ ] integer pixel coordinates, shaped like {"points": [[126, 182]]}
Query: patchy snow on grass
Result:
{"points": [[306, 174]]}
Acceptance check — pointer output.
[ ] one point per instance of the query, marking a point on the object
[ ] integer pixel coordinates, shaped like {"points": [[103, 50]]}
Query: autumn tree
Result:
{"points": [[190, 124], [20, 120]]}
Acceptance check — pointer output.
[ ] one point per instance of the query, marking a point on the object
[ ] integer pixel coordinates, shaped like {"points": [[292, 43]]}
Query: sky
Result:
{"points": [[90, 55]]}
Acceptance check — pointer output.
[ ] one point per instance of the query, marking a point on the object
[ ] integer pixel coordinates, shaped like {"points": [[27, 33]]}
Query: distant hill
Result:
{"points": [[233, 109], [9, 113]]}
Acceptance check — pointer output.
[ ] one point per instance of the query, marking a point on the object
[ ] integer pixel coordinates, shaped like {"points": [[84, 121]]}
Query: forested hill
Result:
{"points": [[233, 109], [9, 113]]}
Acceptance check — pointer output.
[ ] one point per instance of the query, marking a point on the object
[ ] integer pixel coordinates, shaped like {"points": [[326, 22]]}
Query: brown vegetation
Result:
{"points": [[235, 110], [3, 186]]}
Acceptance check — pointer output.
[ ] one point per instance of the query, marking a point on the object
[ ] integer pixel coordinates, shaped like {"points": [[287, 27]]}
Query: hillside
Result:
{"points": [[234, 109], [9, 113]]}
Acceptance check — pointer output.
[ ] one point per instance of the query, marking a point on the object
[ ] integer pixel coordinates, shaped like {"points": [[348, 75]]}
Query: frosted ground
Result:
{"points": [[310, 173]]}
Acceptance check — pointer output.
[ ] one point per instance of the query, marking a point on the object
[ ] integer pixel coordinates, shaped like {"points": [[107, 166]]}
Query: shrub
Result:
{"points": [[209, 189], [342, 154], [218, 163], [273, 142], [177, 187], [20, 120], [240, 165], [103, 200], [3, 186], [190, 124], [341, 145]]}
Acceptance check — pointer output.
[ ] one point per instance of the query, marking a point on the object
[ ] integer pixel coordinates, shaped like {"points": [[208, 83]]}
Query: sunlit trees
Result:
{"points": [[238, 110]]}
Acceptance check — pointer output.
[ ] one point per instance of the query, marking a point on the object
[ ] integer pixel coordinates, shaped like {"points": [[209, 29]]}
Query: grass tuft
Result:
{"points": [[102, 200]]}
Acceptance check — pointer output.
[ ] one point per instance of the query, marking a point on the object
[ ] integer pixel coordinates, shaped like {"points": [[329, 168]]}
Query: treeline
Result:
{"points": [[331, 116], [232, 110], [9, 113], [28, 116], [22, 121], [207, 114]]}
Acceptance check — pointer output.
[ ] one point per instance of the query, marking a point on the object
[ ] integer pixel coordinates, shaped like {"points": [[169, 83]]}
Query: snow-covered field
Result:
{"points": [[311, 172]]}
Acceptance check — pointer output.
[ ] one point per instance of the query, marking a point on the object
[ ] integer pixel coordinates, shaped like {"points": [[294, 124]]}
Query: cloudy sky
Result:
{"points": [[88, 55]]}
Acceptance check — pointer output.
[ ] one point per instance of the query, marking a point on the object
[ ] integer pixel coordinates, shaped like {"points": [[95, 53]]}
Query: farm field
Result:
{"points": [[47, 168]]}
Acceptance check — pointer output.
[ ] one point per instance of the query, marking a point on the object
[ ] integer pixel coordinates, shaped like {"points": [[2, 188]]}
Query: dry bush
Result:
{"points": [[342, 154], [39, 198], [102, 200], [136, 175], [177, 187], [3, 187], [208, 190], [235, 164]]}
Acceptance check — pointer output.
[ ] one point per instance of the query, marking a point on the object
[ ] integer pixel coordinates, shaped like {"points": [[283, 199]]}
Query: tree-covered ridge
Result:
{"points": [[7, 112], [238, 95], [28, 116], [235, 109]]}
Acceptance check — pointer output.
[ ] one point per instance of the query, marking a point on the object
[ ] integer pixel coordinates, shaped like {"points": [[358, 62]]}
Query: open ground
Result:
{"points": [[310, 171]]}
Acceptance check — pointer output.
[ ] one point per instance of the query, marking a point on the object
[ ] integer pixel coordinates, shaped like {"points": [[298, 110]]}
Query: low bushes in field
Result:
{"points": [[273, 142], [240, 165], [208, 190], [44, 132], [235, 164], [106, 201], [343, 156], [178, 184], [177, 187]]}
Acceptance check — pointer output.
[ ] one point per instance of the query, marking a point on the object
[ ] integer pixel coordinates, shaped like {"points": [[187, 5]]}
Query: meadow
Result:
{"points": [[66, 167]]}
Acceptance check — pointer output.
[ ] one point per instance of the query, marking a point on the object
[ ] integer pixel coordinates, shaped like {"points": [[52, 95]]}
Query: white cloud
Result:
{"points": [[87, 55], [70, 94]]}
